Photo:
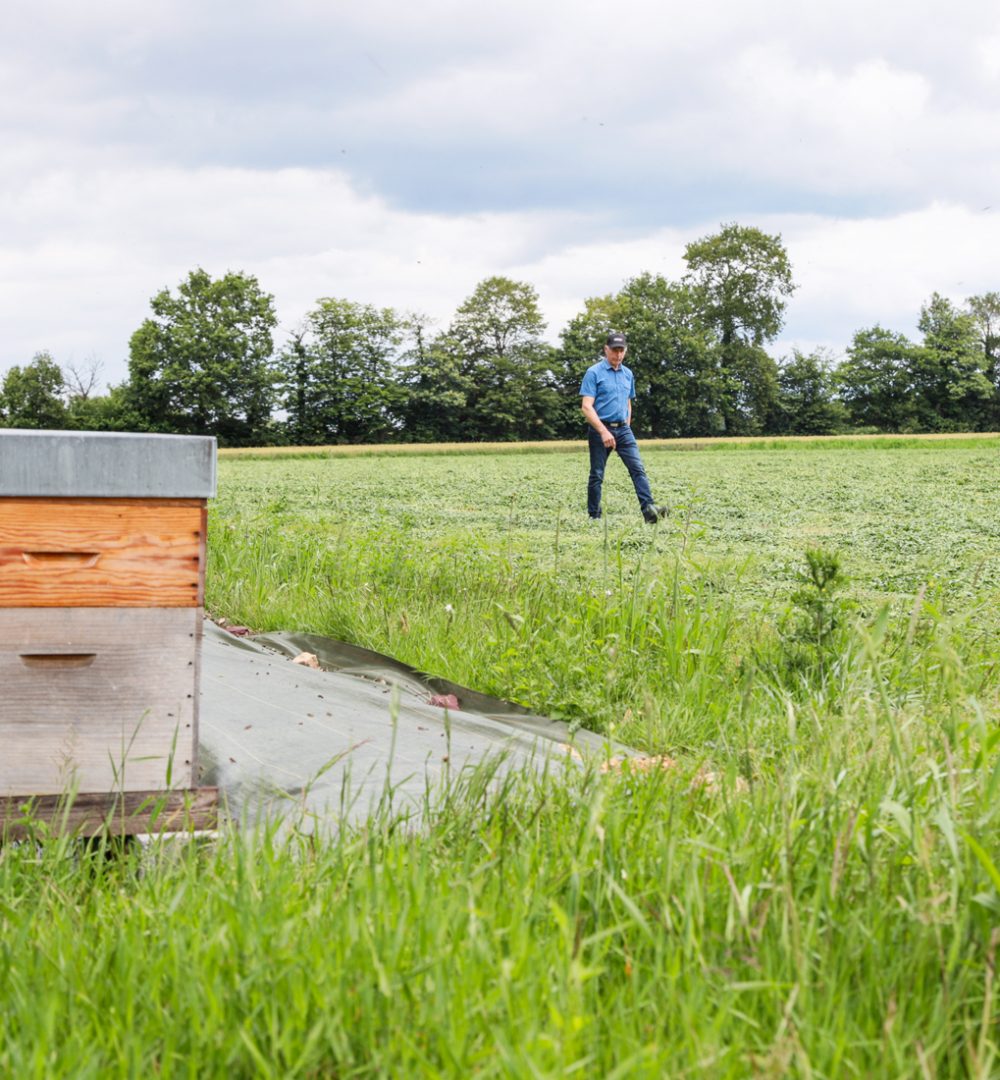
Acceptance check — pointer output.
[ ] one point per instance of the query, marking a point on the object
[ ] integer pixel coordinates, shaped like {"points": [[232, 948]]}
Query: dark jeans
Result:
{"points": [[628, 451]]}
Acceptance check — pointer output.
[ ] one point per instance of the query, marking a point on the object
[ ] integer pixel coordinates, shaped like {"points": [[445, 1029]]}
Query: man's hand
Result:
{"points": [[587, 408]]}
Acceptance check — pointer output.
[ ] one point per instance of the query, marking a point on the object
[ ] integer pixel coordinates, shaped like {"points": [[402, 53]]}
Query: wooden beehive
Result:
{"points": [[102, 569]]}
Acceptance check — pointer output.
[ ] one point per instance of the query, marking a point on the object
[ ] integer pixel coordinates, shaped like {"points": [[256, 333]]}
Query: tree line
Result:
{"points": [[205, 362]]}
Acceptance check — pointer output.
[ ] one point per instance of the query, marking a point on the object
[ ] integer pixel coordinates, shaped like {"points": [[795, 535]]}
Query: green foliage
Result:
{"points": [[750, 389], [741, 279], [498, 319], [836, 918], [890, 384], [985, 312], [581, 342], [339, 375], [807, 402], [495, 348], [31, 397], [680, 387], [876, 381], [202, 364], [436, 389], [114, 411], [353, 373], [465, 605], [683, 386], [950, 382], [815, 601], [350, 545], [814, 631]]}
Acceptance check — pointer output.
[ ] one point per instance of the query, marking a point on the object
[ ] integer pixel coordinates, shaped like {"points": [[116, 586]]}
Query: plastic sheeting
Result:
{"points": [[280, 738]]}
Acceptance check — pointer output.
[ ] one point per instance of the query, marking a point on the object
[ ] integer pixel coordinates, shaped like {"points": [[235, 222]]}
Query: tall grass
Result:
{"points": [[583, 652], [840, 919], [653, 650], [811, 889]]}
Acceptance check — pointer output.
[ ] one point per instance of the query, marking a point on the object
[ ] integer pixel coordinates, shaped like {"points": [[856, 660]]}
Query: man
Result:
{"points": [[607, 392]]}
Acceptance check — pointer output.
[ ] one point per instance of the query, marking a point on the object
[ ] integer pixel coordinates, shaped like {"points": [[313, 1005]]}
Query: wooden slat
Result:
{"points": [[118, 814], [102, 553], [98, 699]]}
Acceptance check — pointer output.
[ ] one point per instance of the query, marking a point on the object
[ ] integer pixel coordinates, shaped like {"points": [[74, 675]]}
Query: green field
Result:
{"points": [[590, 623], [828, 905]]}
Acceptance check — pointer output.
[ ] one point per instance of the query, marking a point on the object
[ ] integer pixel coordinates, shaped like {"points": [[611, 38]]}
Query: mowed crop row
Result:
{"points": [[946, 440], [809, 888]]}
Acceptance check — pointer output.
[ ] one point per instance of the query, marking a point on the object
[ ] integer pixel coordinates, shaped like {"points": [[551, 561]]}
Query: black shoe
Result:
{"points": [[653, 513]]}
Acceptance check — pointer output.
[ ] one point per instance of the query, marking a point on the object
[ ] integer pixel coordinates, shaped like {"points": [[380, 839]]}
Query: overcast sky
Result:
{"points": [[397, 154]]}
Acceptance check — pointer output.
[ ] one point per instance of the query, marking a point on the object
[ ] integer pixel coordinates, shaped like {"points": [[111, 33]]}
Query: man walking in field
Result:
{"points": [[607, 393]]}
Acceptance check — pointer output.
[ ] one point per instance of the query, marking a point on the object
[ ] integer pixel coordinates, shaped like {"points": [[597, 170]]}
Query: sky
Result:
{"points": [[397, 154]]}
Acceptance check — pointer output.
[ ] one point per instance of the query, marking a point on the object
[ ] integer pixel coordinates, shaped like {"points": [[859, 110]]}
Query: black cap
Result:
{"points": [[616, 340]]}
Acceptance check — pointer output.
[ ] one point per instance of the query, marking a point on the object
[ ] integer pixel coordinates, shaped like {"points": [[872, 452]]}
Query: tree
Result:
{"points": [[985, 311], [494, 347], [807, 403], [82, 379], [499, 317], [437, 390], [339, 375], [952, 389], [741, 279], [202, 365], [680, 391], [113, 411], [875, 382], [31, 397]]}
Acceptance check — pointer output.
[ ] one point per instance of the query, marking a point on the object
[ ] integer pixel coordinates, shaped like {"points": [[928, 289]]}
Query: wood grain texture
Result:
{"points": [[115, 813], [98, 699], [102, 552]]}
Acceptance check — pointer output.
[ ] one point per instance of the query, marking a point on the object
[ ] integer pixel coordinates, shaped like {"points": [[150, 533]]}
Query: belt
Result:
{"points": [[614, 423]]}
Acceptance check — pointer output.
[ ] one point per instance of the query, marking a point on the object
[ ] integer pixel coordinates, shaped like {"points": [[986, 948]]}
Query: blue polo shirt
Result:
{"points": [[610, 389]]}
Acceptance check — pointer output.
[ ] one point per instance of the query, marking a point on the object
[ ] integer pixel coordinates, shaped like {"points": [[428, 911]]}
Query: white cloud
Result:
{"points": [[986, 54], [82, 253], [852, 99], [854, 274], [398, 154]]}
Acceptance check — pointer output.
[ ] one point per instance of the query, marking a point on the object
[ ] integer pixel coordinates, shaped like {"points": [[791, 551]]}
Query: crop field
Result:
{"points": [[485, 568], [801, 878]]}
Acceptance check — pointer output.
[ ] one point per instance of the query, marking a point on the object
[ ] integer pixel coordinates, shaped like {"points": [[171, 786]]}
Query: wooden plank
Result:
{"points": [[98, 699], [102, 552], [119, 814]]}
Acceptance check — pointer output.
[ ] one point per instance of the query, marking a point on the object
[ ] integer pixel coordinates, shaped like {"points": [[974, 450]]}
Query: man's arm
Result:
{"points": [[588, 410]]}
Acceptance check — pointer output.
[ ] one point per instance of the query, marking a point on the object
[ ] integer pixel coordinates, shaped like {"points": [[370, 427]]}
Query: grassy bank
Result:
{"points": [[811, 888]]}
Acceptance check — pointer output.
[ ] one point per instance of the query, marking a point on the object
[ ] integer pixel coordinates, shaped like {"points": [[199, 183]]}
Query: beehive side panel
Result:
{"points": [[97, 699], [101, 553]]}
